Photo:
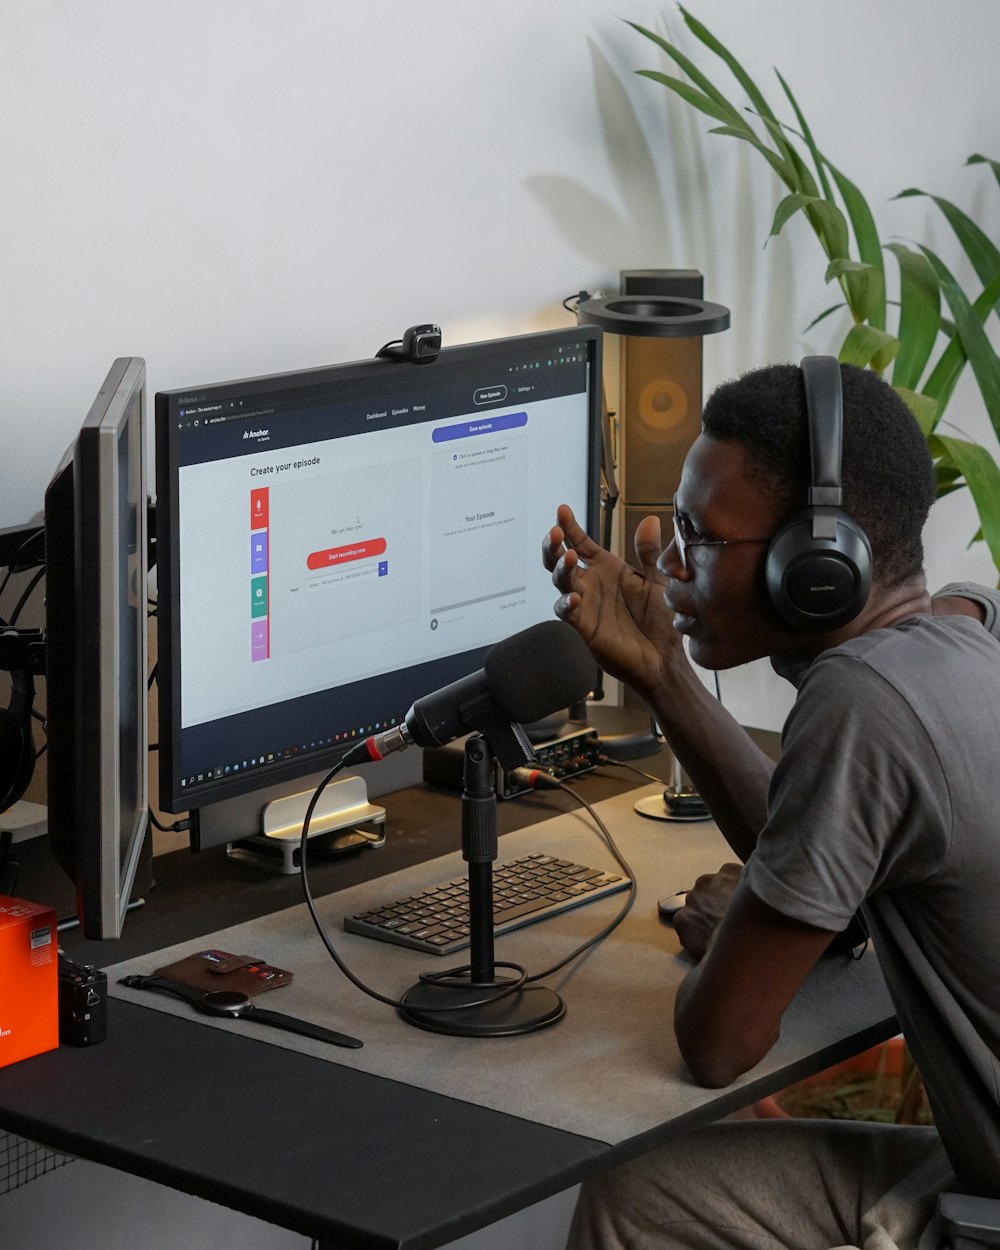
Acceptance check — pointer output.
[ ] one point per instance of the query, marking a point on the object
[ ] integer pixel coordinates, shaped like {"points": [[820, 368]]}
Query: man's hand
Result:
{"points": [[698, 919], [620, 613]]}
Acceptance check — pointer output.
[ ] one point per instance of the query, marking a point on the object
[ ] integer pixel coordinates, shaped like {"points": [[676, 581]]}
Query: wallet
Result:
{"points": [[218, 970]]}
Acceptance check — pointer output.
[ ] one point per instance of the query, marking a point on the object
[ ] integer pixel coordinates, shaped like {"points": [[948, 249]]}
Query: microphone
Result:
{"points": [[525, 677]]}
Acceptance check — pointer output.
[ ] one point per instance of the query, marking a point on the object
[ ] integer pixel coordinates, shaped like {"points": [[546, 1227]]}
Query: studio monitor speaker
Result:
{"points": [[660, 415], [660, 395]]}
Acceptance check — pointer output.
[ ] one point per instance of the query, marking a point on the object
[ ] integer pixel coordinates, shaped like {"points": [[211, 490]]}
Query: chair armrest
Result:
{"points": [[969, 1221]]}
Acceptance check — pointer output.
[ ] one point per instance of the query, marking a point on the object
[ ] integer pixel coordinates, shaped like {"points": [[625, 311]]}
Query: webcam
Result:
{"points": [[419, 345]]}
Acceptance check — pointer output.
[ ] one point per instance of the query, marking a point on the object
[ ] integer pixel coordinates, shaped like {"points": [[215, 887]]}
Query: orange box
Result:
{"points": [[29, 983]]}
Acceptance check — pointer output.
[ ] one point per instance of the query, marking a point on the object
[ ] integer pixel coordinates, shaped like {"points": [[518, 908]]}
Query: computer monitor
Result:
{"points": [[335, 543], [95, 637]]}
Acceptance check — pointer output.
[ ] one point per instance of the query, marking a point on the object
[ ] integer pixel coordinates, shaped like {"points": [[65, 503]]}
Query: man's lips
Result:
{"points": [[681, 611]]}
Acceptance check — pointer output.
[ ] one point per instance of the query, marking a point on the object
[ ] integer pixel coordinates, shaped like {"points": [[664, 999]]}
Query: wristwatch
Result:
{"points": [[238, 1007]]}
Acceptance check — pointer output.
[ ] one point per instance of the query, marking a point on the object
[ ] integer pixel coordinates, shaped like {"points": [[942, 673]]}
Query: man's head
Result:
{"points": [[886, 470], [749, 472]]}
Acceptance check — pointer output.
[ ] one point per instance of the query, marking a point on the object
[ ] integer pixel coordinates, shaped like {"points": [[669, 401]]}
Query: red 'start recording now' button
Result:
{"points": [[333, 556]]}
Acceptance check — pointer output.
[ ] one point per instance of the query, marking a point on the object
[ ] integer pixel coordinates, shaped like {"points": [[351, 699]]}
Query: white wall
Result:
{"points": [[229, 187], [236, 186]]}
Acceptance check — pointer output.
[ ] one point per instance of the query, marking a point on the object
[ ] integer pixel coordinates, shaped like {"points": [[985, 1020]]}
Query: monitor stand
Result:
{"points": [[343, 823], [238, 820]]}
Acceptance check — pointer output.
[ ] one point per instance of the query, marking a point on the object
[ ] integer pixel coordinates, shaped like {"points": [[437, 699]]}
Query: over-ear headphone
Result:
{"points": [[819, 563], [17, 745]]}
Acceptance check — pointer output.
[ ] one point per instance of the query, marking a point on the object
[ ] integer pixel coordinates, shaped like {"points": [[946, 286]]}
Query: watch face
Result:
{"points": [[225, 1001]]}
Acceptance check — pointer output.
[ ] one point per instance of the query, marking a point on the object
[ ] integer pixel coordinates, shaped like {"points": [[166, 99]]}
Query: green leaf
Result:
{"points": [[976, 159], [945, 374], [807, 137], [700, 80], [823, 315], [983, 254], [866, 291], [842, 265], [922, 406], [826, 219], [865, 345], [982, 477], [977, 347], [919, 315], [804, 180], [780, 167], [757, 98], [691, 95]]}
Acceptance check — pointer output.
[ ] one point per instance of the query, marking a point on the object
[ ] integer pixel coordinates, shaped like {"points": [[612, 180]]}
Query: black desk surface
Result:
{"points": [[353, 1159]]}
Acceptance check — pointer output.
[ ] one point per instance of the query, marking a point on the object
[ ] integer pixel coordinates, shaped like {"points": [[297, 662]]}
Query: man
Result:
{"points": [[886, 798]]}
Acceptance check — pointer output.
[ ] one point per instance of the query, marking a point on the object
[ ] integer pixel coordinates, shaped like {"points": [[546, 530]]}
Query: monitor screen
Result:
{"points": [[332, 544], [95, 635]]}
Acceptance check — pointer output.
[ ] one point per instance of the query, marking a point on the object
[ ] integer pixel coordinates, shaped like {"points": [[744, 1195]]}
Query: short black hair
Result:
{"points": [[887, 474]]}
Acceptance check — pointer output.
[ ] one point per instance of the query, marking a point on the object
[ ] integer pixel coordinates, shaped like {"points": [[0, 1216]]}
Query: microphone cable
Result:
{"points": [[622, 863], [521, 976]]}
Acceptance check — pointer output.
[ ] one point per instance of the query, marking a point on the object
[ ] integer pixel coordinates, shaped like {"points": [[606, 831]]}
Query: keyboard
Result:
{"points": [[527, 889]]}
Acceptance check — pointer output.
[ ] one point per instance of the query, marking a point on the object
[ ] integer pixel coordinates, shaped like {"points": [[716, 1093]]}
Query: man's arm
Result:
{"points": [[728, 1011], [621, 615]]}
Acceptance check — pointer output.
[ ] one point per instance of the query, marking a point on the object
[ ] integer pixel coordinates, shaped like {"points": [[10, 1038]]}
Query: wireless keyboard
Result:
{"points": [[527, 889]]}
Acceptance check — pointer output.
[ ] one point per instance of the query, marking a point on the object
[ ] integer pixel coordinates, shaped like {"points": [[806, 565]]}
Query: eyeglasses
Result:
{"points": [[685, 535]]}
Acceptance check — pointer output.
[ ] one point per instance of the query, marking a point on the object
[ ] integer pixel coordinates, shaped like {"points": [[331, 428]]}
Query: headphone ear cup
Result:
{"points": [[818, 583]]}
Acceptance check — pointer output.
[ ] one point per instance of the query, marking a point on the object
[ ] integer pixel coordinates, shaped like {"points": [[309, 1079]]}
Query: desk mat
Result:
{"points": [[610, 1068]]}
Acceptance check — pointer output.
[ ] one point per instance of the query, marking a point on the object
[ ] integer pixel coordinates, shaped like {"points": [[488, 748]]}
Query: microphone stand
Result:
{"points": [[490, 1012]]}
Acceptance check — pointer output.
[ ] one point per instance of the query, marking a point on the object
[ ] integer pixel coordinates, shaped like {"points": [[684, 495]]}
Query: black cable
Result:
{"points": [[605, 760], [26, 595], [179, 826], [15, 566], [334, 955], [576, 299], [152, 675], [622, 863], [453, 975]]}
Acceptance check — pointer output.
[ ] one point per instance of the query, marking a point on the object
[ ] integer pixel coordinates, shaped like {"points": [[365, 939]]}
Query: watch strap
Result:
{"points": [[304, 1028], [165, 985], [263, 1015]]}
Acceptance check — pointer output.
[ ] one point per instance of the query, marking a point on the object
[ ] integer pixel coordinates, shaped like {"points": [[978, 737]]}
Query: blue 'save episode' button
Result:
{"points": [[481, 425]]}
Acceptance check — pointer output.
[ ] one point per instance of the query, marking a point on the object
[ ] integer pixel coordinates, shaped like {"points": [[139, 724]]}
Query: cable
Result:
{"points": [[453, 975], [622, 864], [153, 675], [14, 566], [26, 595], [179, 826], [334, 955], [576, 299], [605, 760]]}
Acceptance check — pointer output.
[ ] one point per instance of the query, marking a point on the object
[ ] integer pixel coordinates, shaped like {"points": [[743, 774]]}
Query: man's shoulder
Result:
{"points": [[984, 601]]}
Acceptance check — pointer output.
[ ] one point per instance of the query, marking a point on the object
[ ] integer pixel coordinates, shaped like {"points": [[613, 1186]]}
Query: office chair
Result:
{"points": [[969, 1223]]}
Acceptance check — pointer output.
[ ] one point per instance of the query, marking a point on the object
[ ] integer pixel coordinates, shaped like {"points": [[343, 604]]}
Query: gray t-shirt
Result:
{"points": [[887, 795]]}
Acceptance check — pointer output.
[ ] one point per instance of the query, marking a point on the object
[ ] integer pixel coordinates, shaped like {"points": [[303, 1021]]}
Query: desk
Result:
{"points": [[356, 1159]]}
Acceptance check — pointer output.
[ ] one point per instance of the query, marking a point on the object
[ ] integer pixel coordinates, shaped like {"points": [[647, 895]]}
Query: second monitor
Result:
{"points": [[333, 544]]}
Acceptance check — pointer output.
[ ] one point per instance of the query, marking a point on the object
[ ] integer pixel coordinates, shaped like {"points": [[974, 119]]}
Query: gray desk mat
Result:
{"points": [[610, 1068]]}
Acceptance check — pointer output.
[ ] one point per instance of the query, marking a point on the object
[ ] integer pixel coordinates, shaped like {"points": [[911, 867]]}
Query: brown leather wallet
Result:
{"points": [[219, 970]]}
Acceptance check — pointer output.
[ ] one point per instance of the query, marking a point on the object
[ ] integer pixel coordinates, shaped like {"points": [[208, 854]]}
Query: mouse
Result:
{"points": [[670, 905]]}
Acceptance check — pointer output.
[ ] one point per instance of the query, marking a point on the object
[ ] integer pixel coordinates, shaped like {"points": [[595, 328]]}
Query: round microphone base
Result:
{"points": [[525, 1011], [681, 805]]}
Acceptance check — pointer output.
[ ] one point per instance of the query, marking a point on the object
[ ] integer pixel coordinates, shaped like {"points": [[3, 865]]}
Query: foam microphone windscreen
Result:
{"points": [[539, 671]]}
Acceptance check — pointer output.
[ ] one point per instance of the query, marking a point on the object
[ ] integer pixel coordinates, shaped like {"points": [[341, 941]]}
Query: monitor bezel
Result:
{"points": [[97, 849], [171, 796]]}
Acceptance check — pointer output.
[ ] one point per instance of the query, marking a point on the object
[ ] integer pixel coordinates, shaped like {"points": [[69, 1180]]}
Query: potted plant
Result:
{"points": [[922, 349]]}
